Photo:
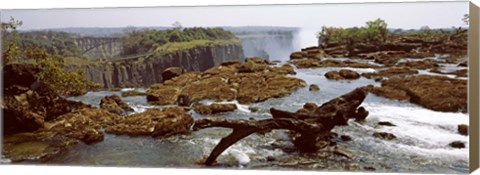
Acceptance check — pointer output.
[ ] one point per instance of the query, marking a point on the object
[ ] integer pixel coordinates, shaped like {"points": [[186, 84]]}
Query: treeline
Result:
{"points": [[374, 31], [136, 42], [53, 43]]}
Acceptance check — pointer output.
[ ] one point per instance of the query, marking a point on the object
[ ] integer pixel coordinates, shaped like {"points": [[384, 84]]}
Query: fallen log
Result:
{"points": [[309, 126]]}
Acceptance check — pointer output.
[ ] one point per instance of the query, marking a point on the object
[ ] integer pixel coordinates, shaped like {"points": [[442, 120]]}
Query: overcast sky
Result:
{"points": [[397, 15]]}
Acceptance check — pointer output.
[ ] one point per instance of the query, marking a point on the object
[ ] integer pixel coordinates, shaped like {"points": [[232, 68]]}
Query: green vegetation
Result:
{"points": [[177, 46], [374, 32], [137, 42], [53, 77]]}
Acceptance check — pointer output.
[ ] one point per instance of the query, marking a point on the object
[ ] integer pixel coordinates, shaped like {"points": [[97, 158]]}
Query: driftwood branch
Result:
{"points": [[310, 126]]}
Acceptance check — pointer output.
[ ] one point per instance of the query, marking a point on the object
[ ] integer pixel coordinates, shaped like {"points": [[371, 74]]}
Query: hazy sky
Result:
{"points": [[397, 15]]}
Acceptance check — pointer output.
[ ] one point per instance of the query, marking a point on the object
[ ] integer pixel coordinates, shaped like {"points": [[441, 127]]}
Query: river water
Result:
{"points": [[421, 145]]}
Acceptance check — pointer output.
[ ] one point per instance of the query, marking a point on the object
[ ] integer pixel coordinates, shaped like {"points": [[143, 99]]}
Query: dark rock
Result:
{"points": [[345, 138], [386, 123], [315, 63], [310, 106], [215, 108], [314, 87], [390, 72], [384, 135], [172, 72], [296, 55], [457, 144], [256, 60], [463, 129], [115, 104], [231, 63], [427, 64], [389, 92], [463, 64]]}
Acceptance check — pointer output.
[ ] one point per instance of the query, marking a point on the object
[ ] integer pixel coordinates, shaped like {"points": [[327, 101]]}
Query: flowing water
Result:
{"points": [[421, 145]]}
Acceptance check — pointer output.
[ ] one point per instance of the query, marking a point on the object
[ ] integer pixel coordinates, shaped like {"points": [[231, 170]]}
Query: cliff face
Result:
{"points": [[144, 71], [100, 47]]}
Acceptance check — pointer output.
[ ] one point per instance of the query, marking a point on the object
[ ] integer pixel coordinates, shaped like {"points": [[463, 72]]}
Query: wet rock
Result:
{"points": [[215, 108], [384, 135], [284, 69], [172, 72], [133, 93], [369, 168], [389, 92], [458, 73], [438, 93], [384, 123], [153, 122], [115, 105], [310, 106], [391, 72], [457, 144], [426, 64], [163, 95], [343, 74], [345, 138], [314, 87], [463, 129], [296, 55]]}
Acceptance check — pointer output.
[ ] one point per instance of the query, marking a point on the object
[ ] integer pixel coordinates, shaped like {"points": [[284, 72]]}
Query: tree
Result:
{"points": [[377, 30], [177, 25], [12, 50]]}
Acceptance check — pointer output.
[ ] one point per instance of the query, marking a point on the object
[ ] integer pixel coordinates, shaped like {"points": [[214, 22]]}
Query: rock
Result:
{"points": [[463, 64], [391, 72], [215, 108], [231, 63], [310, 106], [389, 92], [349, 74], [115, 104], [463, 129], [315, 63], [458, 73], [256, 60], [384, 135], [457, 144], [153, 122], [386, 124], [314, 87], [250, 82], [296, 55], [427, 64], [343, 74], [172, 72], [345, 138], [437, 93], [133, 93]]}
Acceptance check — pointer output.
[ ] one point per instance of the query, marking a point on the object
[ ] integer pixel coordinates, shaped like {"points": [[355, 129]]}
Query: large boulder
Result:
{"points": [[437, 93], [115, 104], [172, 72]]}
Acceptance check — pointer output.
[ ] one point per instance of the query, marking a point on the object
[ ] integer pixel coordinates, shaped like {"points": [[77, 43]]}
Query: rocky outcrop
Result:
{"points": [[313, 87], [463, 129], [153, 122], [390, 72], [437, 93], [248, 83], [172, 72], [384, 135], [215, 108], [147, 70], [457, 144], [115, 104], [343, 74], [133, 93]]}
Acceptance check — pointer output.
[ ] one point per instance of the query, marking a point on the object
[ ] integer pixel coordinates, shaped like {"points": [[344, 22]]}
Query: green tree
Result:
{"points": [[377, 30], [11, 52]]}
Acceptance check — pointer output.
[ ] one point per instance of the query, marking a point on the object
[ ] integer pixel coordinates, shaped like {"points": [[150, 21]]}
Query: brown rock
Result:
{"points": [[389, 92], [427, 64], [314, 87], [115, 104], [133, 93], [172, 72], [231, 62], [343, 74], [215, 108], [256, 60], [154, 122], [315, 63], [463, 129], [384, 135], [386, 123], [433, 92], [296, 55], [457, 144]]}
